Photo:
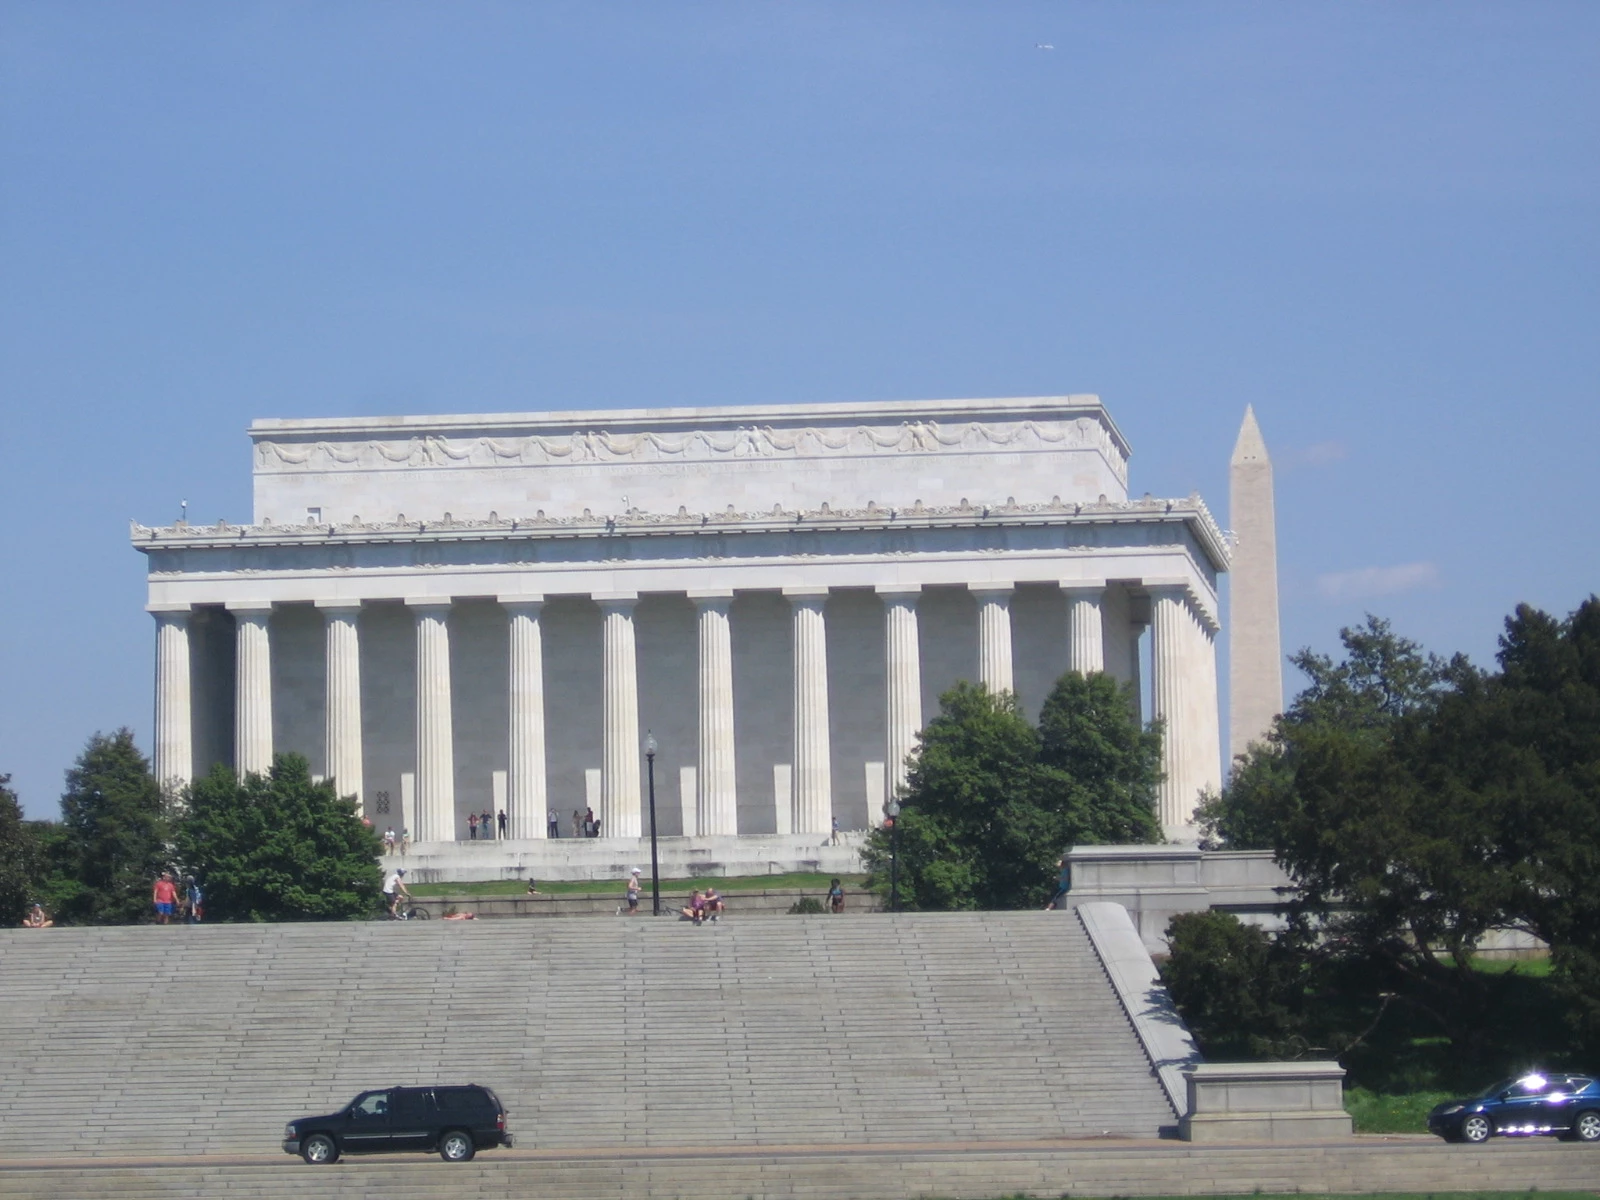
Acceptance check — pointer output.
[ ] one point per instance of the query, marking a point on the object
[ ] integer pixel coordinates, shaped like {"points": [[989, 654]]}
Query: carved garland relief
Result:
{"points": [[591, 446]]}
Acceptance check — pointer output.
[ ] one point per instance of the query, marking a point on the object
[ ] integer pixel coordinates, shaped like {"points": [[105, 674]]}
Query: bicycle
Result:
{"points": [[408, 911]]}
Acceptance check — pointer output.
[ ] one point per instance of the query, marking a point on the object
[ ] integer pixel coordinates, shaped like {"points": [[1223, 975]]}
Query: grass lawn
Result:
{"points": [[1378, 1113], [795, 881]]}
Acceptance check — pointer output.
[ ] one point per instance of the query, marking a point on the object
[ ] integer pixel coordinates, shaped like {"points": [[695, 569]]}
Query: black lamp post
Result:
{"points": [[655, 870], [893, 810]]}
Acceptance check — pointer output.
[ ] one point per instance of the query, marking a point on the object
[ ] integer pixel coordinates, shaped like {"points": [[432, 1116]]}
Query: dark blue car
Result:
{"points": [[1556, 1102]]}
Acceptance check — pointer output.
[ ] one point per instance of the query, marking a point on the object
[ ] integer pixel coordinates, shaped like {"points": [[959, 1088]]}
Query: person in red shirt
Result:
{"points": [[165, 895]]}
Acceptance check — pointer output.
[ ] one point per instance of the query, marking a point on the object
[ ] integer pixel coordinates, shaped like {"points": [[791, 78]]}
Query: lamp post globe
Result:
{"points": [[655, 862], [893, 809]]}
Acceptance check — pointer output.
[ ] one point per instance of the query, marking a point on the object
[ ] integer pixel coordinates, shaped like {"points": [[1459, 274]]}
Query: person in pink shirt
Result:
{"points": [[165, 896]]}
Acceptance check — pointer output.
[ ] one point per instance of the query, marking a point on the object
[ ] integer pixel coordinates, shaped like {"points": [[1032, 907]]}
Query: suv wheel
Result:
{"points": [[319, 1148], [1587, 1127], [1475, 1128], [456, 1146]]}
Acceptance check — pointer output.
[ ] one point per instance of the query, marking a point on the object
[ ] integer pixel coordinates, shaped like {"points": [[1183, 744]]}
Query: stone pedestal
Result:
{"points": [[1265, 1102]]}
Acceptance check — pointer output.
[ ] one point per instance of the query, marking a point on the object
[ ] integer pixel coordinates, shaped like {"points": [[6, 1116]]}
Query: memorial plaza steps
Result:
{"points": [[629, 1034]]}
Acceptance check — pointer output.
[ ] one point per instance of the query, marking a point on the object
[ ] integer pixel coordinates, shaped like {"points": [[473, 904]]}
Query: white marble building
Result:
{"points": [[454, 613]]}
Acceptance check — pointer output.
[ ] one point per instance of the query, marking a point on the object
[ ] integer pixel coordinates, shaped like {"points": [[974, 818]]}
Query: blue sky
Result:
{"points": [[1375, 222]]}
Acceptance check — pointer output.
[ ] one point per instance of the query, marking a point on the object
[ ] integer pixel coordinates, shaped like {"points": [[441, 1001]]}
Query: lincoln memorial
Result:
{"points": [[447, 614]]}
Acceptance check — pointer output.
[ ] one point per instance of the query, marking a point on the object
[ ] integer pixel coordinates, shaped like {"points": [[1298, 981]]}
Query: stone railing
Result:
{"points": [[1265, 1102]]}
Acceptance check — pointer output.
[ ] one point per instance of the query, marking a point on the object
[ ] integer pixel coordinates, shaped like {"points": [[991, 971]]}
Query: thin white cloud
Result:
{"points": [[1376, 581], [1324, 452]]}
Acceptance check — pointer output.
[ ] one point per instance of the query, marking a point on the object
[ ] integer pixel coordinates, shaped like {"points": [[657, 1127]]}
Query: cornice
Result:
{"points": [[1190, 512]]}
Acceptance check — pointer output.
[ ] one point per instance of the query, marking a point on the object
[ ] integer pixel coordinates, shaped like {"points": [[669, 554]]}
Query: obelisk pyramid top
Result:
{"points": [[1250, 447]]}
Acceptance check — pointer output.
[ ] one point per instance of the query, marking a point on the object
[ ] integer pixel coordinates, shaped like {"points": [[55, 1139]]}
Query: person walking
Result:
{"points": [[472, 826], [193, 907], [836, 897], [554, 822], [165, 897], [502, 821]]}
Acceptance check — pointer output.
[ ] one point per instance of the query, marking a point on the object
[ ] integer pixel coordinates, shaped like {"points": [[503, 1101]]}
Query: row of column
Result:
{"points": [[1184, 697]]}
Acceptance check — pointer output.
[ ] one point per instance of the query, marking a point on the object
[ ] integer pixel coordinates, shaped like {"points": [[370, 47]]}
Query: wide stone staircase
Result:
{"points": [[602, 1033]]}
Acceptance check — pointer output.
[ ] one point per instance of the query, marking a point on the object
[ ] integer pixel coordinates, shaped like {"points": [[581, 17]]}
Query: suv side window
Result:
{"points": [[410, 1105], [462, 1102], [370, 1106]]}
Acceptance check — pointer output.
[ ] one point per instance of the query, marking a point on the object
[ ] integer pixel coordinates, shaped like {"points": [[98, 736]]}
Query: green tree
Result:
{"points": [[114, 832], [278, 847], [991, 803], [1353, 701], [20, 859], [1240, 991]]}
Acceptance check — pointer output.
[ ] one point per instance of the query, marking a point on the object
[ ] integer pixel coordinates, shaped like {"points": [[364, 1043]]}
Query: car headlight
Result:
{"points": [[1451, 1110]]}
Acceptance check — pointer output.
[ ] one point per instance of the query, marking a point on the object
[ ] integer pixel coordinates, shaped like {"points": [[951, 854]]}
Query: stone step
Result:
{"points": [[622, 1033]]}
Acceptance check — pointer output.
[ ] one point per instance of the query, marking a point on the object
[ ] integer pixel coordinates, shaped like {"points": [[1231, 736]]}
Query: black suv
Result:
{"points": [[455, 1121]]}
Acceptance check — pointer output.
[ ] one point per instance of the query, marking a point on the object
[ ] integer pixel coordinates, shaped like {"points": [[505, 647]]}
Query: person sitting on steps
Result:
{"points": [[714, 905], [696, 911]]}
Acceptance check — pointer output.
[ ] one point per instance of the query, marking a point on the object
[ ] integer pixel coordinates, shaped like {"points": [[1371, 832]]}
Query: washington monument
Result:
{"points": [[1255, 668]]}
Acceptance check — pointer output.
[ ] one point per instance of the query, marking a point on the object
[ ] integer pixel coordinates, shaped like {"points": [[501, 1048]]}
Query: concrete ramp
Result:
{"points": [[629, 1033]]}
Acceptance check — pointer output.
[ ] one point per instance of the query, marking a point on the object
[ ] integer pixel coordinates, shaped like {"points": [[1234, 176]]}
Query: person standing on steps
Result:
{"points": [[165, 897], [834, 839], [633, 893], [486, 823], [472, 826], [193, 898], [836, 897], [555, 824], [577, 822], [501, 819]]}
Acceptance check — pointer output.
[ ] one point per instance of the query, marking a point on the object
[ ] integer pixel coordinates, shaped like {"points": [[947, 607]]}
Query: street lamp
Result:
{"points": [[893, 809], [655, 870]]}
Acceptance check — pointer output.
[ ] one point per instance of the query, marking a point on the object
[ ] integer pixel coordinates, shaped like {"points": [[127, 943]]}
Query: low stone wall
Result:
{"points": [[570, 859], [1265, 1102], [764, 903]]}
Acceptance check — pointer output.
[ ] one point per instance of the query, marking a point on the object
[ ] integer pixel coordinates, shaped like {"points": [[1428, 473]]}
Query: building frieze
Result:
{"points": [[604, 447]]}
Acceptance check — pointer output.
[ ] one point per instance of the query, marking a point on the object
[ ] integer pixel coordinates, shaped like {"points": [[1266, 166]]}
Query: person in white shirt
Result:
{"points": [[393, 888]]}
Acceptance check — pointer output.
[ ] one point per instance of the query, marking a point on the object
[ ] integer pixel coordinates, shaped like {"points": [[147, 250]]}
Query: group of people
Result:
{"points": [[485, 825], [703, 906], [584, 824], [186, 904], [390, 841]]}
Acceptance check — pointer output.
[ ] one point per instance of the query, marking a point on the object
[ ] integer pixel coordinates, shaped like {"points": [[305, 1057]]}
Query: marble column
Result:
{"points": [[619, 773], [343, 710], [1208, 751], [903, 674], [1086, 651], [174, 712], [1172, 703], [812, 785], [716, 800], [526, 805], [436, 770], [994, 635], [252, 709]]}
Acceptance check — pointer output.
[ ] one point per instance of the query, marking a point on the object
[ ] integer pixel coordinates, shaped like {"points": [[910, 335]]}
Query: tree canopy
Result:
{"points": [[19, 857], [1419, 804], [112, 842], [278, 847], [991, 803]]}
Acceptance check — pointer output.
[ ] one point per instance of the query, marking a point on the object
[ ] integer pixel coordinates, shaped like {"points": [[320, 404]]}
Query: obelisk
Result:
{"points": [[1255, 662]]}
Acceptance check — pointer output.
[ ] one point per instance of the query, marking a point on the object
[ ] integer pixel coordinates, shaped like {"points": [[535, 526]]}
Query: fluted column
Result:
{"points": [[812, 804], [525, 777], [716, 800], [994, 635], [174, 729], [1171, 702], [252, 709], [619, 771], [1086, 652], [436, 769], [903, 672], [343, 710]]}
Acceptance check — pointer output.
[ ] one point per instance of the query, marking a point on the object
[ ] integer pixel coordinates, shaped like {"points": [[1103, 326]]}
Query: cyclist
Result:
{"points": [[393, 888]]}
